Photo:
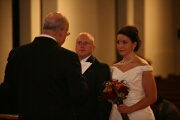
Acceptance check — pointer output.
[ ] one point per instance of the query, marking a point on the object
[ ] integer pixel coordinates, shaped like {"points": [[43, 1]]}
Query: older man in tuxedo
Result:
{"points": [[43, 80]]}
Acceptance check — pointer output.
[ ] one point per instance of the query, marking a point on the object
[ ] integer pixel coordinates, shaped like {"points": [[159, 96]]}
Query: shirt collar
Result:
{"points": [[85, 59], [44, 35]]}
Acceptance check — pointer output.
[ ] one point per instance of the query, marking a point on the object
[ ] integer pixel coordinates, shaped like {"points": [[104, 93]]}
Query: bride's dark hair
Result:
{"points": [[132, 33]]}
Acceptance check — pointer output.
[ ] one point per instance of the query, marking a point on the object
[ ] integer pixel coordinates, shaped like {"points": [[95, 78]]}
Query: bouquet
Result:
{"points": [[115, 92]]}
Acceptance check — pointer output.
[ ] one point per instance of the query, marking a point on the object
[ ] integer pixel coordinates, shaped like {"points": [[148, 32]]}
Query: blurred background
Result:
{"points": [[158, 22]]}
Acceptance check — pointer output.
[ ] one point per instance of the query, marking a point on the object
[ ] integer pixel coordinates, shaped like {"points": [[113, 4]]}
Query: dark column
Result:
{"points": [[15, 24], [121, 19]]}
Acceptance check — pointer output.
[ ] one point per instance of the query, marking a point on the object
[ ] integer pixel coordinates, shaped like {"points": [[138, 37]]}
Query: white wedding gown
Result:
{"points": [[136, 92]]}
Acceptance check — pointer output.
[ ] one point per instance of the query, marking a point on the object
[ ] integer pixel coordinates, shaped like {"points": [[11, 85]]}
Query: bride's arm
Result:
{"points": [[149, 87]]}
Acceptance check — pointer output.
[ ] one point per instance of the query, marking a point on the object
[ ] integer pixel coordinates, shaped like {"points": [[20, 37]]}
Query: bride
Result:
{"points": [[138, 74]]}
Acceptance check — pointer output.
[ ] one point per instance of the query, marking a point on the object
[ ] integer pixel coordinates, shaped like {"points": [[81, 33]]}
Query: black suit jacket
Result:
{"points": [[168, 111], [95, 109], [43, 81]]}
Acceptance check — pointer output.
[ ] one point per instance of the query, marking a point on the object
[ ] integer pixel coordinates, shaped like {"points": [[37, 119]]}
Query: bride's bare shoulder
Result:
{"points": [[142, 61], [115, 65]]}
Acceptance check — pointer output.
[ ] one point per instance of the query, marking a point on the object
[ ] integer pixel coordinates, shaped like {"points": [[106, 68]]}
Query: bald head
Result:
{"points": [[55, 21], [87, 35], [57, 26]]}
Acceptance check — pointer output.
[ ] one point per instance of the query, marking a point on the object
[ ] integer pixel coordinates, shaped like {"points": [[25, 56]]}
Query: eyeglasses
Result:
{"points": [[83, 43], [68, 33]]}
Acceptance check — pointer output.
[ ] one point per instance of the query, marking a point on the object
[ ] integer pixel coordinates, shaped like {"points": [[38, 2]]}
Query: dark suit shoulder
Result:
{"points": [[169, 111], [68, 54], [169, 105], [101, 63], [68, 51]]}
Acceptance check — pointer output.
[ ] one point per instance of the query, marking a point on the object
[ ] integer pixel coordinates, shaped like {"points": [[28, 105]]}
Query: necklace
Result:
{"points": [[126, 63]]}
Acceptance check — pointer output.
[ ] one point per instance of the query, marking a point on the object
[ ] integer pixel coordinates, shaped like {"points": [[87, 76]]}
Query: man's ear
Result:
{"points": [[94, 47], [60, 32]]}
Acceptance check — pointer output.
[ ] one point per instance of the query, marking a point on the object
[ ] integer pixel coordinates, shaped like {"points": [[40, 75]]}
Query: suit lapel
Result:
{"points": [[91, 59]]}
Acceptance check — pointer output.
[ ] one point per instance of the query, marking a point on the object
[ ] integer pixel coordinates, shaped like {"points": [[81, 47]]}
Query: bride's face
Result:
{"points": [[124, 45]]}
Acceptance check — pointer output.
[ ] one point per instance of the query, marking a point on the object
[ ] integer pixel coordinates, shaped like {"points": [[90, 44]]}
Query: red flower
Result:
{"points": [[124, 89], [115, 91], [113, 94], [118, 86]]}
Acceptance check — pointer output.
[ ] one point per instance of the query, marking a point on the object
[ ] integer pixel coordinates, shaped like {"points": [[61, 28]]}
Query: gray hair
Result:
{"points": [[55, 21]]}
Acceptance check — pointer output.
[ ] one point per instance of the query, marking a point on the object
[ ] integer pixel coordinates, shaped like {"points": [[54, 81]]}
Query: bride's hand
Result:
{"points": [[122, 108]]}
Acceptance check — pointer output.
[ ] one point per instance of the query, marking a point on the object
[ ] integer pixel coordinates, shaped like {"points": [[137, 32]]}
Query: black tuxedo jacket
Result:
{"points": [[43, 81], [95, 109], [169, 111]]}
